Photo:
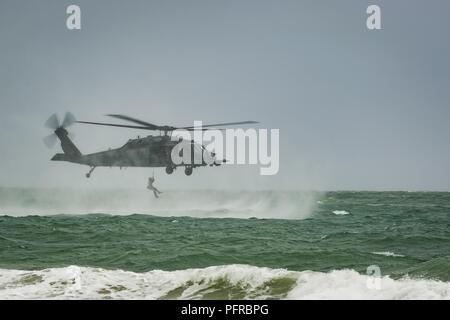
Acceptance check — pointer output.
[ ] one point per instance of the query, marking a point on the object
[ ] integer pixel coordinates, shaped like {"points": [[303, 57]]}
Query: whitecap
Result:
{"points": [[340, 212], [387, 254]]}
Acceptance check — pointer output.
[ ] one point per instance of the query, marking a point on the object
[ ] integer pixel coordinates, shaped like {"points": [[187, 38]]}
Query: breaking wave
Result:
{"points": [[216, 282]]}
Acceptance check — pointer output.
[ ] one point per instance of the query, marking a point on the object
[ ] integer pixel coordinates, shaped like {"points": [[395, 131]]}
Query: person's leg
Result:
{"points": [[156, 195]]}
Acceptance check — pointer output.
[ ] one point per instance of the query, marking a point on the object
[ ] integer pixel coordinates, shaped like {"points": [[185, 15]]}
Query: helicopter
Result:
{"points": [[152, 151]]}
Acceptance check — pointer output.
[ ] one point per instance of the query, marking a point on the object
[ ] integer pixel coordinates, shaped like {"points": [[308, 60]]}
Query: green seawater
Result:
{"points": [[72, 244], [404, 233]]}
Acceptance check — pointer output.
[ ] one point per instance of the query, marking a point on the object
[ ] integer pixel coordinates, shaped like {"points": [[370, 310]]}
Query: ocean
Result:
{"points": [[118, 244]]}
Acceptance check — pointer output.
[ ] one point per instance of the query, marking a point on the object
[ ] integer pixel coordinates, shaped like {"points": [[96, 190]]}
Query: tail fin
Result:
{"points": [[67, 145]]}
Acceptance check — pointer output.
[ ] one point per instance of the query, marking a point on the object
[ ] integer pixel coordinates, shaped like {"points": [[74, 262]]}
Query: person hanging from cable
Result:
{"points": [[150, 186]]}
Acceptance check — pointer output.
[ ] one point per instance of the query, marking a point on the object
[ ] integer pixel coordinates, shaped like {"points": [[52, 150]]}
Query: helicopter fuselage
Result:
{"points": [[151, 151]]}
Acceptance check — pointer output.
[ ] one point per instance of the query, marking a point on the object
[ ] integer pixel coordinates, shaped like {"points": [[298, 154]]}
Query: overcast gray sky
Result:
{"points": [[356, 109]]}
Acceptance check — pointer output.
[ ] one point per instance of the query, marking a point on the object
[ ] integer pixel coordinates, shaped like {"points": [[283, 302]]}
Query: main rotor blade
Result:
{"points": [[223, 124], [52, 122], [69, 119], [202, 129], [143, 123], [115, 125], [50, 140]]}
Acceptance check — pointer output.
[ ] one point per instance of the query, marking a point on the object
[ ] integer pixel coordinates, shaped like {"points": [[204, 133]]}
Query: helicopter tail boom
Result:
{"points": [[67, 145]]}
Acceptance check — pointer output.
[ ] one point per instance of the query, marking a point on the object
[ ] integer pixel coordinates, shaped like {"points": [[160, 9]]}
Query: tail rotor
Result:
{"points": [[56, 125], [50, 140]]}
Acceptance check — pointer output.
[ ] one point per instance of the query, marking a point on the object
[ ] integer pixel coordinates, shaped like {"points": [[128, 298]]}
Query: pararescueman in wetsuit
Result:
{"points": [[150, 186]]}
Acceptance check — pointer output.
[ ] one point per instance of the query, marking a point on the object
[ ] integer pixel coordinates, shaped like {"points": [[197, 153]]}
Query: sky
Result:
{"points": [[356, 109]]}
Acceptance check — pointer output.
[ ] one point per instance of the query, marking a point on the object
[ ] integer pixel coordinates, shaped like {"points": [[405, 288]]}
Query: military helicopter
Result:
{"points": [[150, 151]]}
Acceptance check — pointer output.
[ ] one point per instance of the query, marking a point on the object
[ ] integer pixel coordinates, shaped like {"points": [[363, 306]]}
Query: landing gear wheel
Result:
{"points": [[88, 175], [169, 169], [188, 171]]}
